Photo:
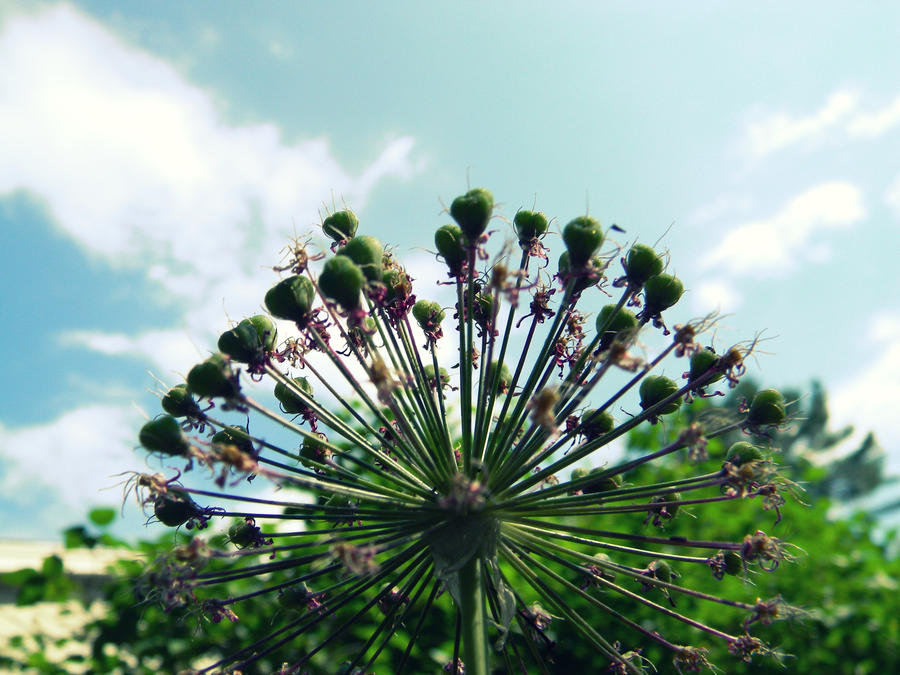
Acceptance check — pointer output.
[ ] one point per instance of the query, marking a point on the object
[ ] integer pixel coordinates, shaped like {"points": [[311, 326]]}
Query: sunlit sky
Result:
{"points": [[155, 158]]}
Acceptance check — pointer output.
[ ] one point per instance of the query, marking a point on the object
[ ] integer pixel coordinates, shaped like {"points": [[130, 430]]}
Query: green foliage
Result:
{"points": [[842, 579]]}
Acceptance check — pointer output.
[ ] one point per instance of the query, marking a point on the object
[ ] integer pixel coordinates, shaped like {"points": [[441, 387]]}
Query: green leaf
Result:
{"points": [[52, 566], [102, 516]]}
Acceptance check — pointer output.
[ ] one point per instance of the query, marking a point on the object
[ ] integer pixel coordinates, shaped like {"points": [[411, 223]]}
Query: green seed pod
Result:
{"points": [[340, 225], [295, 597], [291, 403], [701, 362], [175, 509], [743, 452], [661, 570], [588, 276], [236, 436], [164, 435], [449, 243], [397, 284], [179, 403], [605, 572], [442, 373], [504, 378], [213, 378], [604, 484], [661, 292], [472, 211], [596, 424], [428, 314], [667, 502], [291, 299], [612, 322], [243, 533], [767, 409], [655, 388], [641, 263], [529, 225], [250, 340], [579, 473], [367, 252], [582, 236], [313, 452], [341, 280], [733, 563]]}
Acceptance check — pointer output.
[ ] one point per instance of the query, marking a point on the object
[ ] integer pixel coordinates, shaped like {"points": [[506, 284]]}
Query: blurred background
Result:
{"points": [[157, 157]]}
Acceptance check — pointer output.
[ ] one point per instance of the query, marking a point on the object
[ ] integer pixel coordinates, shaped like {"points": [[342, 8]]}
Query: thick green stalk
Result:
{"points": [[474, 621]]}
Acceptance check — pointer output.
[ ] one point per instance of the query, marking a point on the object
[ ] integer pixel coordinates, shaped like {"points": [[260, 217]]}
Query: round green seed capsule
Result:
{"points": [[291, 299], [588, 276], [661, 292], [582, 236], [605, 572], [612, 322], [529, 225], [213, 378], [641, 263], [604, 484], [501, 372], [178, 402], [291, 403], [175, 509], [442, 374], [314, 452], [733, 563], [243, 533], [342, 280], [448, 241], [367, 252], [656, 388], [579, 473], [743, 452], [701, 362], [294, 597], [596, 424], [472, 211], [250, 340], [767, 409], [164, 435], [661, 570], [340, 225], [236, 436], [428, 314]]}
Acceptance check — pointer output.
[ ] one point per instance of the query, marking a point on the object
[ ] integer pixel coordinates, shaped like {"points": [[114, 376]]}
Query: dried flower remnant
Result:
{"points": [[388, 499]]}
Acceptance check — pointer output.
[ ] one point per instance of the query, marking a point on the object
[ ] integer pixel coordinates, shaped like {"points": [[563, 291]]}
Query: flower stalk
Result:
{"points": [[432, 489]]}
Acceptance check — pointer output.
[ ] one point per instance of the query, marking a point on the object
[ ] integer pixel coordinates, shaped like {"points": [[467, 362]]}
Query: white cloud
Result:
{"points": [[775, 244], [717, 294], [72, 459], [840, 113], [779, 130], [874, 124], [892, 195], [868, 398], [136, 165]]}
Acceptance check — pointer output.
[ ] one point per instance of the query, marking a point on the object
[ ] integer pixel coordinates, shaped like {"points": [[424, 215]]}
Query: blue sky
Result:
{"points": [[157, 156]]}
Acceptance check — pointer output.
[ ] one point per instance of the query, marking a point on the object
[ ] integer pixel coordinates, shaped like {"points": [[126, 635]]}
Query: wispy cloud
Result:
{"points": [[774, 244], [840, 114], [892, 196], [778, 130], [65, 466], [138, 167], [868, 398], [876, 123]]}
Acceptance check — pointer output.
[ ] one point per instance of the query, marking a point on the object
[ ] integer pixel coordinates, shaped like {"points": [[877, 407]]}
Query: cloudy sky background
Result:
{"points": [[157, 156]]}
